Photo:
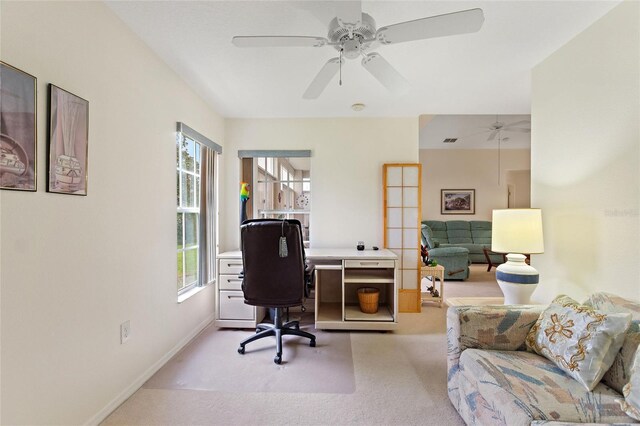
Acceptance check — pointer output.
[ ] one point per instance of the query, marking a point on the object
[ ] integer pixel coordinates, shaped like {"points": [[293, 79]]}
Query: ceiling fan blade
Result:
{"points": [[493, 135], [349, 13], [466, 21], [517, 123], [321, 81], [517, 129], [384, 72], [278, 41]]}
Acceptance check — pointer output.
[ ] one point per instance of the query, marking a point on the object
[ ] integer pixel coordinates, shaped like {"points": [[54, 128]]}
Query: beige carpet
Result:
{"points": [[400, 378], [210, 362], [480, 284]]}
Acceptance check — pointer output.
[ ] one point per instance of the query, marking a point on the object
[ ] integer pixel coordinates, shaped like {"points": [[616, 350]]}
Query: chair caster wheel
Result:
{"points": [[312, 343], [278, 359], [241, 350], [258, 330]]}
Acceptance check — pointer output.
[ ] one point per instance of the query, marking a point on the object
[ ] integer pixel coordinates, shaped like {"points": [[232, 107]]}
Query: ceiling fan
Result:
{"points": [[353, 33], [498, 127], [495, 131]]}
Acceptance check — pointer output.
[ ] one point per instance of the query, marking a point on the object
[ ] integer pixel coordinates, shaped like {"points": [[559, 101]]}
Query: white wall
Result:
{"points": [[74, 268], [346, 171], [585, 159], [468, 169]]}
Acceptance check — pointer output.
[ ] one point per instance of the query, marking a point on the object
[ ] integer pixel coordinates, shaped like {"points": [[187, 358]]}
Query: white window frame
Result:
{"points": [[284, 177], [271, 166], [184, 210]]}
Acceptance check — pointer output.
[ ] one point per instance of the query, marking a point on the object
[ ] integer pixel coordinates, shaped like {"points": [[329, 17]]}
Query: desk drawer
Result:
{"points": [[232, 306], [230, 266], [369, 263], [230, 282]]}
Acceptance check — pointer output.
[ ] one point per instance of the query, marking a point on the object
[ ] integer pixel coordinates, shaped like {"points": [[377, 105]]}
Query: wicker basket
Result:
{"points": [[368, 298]]}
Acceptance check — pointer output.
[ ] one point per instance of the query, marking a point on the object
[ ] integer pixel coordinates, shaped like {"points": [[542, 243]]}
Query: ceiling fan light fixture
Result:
{"points": [[357, 107]]}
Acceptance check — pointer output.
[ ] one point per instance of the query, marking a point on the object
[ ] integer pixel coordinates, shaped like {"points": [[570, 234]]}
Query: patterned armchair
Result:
{"points": [[493, 380]]}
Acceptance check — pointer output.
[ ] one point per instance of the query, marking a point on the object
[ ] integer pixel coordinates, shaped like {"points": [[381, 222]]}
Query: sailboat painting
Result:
{"points": [[17, 129], [68, 142]]}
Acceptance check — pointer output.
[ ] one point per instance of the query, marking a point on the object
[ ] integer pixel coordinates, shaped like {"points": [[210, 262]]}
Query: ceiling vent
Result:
{"points": [[449, 140]]}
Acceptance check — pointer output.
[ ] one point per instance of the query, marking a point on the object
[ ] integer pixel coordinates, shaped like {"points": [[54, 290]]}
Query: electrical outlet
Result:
{"points": [[125, 331]]}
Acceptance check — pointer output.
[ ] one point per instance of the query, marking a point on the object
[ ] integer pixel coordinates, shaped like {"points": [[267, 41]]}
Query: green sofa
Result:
{"points": [[473, 235]]}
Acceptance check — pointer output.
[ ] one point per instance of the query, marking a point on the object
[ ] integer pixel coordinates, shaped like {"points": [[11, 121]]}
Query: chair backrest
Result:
{"points": [[271, 280]]}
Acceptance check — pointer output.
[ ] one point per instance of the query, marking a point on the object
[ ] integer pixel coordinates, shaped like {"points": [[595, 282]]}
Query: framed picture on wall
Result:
{"points": [[68, 142], [17, 129], [458, 201]]}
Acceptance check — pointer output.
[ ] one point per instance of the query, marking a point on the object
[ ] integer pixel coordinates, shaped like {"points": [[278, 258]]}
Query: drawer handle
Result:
{"points": [[236, 297], [369, 263], [234, 280], [233, 264]]}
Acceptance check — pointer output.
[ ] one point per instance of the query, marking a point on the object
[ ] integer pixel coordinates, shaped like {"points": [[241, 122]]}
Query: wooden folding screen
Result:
{"points": [[402, 216]]}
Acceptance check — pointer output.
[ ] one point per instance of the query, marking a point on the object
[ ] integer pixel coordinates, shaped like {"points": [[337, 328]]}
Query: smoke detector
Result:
{"points": [[358, 107]]}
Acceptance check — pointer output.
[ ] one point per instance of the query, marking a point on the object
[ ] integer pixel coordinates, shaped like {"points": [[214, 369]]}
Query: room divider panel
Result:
{"points": [[402, 215]]}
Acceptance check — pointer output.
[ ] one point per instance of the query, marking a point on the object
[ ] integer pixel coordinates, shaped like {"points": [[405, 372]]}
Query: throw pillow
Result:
{"points": [[618, 375], [580, 340], [631, 391]]}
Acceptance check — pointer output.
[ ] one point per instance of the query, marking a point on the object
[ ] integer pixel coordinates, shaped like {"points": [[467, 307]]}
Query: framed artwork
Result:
{"points": [[458, 201], [68, 142], [18, 137]]}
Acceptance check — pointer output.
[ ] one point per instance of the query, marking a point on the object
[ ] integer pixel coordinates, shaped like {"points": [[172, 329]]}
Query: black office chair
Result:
{"points": [[274, 275]]}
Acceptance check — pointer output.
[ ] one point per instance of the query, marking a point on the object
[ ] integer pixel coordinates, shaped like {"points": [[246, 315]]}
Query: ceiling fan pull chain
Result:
{"points": [[341, 67], [499, 158]]}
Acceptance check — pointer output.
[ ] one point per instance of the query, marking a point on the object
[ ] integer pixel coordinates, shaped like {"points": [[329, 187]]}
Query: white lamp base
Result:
{"points": [[517, 280]]}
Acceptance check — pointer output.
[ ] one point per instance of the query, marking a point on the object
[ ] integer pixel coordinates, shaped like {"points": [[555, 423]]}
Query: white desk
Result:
{"points": [[339, 273]]}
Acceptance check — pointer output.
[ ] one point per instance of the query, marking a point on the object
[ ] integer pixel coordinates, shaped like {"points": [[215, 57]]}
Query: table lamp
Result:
{"points": [[516, 232]]}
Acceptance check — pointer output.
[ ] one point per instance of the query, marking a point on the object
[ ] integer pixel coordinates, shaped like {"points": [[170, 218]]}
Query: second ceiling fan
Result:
{"points": [[353, 34], [496, 128]]}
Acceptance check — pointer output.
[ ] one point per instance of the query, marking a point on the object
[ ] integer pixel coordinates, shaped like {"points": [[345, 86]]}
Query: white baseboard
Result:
{"points": [[137, 384]]}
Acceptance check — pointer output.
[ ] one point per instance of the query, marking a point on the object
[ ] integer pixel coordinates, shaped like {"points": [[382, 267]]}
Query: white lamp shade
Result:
{"points": [[517, 231]]}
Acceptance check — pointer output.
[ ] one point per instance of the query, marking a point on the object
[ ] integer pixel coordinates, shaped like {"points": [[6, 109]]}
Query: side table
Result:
{"points": [[435, 273], [487, 252]]}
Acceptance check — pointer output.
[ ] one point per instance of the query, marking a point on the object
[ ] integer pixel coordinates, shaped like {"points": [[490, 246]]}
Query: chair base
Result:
{"points": [[277, 329]]}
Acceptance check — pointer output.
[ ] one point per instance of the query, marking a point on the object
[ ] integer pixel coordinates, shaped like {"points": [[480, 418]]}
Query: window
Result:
{"points": [[284, 177], [197, 205], [281, 185], [188, 191], [270, 166]]}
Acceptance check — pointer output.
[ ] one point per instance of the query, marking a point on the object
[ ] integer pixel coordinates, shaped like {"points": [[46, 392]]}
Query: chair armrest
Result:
{"points": [[309, 276], [496, 327]]}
